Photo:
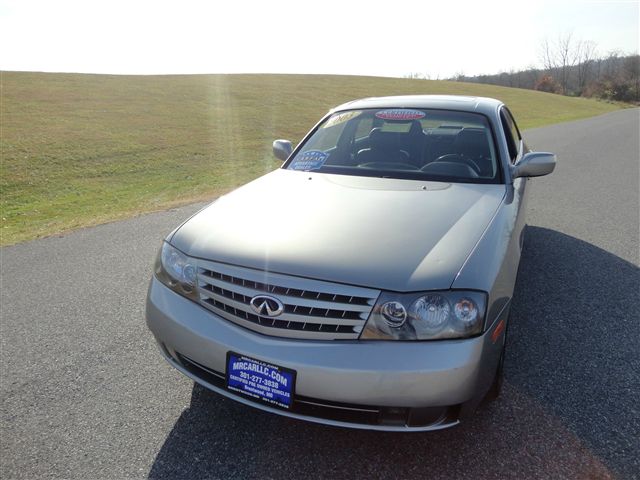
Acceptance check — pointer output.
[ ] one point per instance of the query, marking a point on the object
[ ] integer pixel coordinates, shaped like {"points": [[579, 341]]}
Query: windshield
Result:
{"points": [[402, 143]]}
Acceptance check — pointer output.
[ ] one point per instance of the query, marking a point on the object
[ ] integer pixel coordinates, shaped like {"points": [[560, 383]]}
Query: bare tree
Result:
{"points": [[559, 57], [568, 56], [632, 72], [610, 64], [533, 75], [547, 56], [586, 57], [459, 76]]}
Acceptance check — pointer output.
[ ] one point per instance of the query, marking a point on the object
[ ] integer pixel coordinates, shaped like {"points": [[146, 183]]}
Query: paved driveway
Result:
{"points": [[85, 394]]}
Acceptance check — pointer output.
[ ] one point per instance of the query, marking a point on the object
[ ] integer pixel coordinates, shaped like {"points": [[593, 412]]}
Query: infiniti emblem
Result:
{"points": [[266, 305]]}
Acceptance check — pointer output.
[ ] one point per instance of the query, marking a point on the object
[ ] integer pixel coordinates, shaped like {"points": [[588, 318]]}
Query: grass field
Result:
{"points": [[79, 150]]}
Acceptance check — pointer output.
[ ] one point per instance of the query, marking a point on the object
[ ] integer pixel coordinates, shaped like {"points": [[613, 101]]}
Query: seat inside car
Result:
{"points": [[384, 147], [416, 141], [473, 143]]}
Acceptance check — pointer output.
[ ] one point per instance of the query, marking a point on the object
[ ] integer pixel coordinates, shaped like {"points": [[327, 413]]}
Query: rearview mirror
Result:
{"points": [[534, 164], [282, 149]]}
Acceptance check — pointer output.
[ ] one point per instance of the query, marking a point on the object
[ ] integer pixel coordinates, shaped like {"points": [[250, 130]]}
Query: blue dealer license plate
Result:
{"points": [[260, 380]]}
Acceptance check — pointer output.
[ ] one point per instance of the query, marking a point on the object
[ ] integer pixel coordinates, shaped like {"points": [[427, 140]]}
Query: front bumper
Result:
{"points": [[380, 385]]}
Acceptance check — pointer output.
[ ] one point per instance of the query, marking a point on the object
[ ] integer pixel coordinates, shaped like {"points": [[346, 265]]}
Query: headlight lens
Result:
{"points": [[426, 316], [176, 270], [394, 314], [466, 313], [429, 314]]}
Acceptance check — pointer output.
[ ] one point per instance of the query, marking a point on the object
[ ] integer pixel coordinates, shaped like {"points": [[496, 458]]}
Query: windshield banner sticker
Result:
{"points": [[309, 160], [341, 118], [400, 114]]}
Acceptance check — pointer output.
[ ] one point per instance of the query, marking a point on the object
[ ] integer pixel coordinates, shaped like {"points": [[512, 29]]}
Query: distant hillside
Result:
{"points": [[83, 149]]}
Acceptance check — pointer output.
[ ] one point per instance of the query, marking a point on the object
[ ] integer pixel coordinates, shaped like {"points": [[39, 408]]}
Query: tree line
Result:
{"points": [[573, 67]]}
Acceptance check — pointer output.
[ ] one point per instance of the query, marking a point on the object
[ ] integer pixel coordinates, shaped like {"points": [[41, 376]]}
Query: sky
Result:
{"points": [[436, 39]]}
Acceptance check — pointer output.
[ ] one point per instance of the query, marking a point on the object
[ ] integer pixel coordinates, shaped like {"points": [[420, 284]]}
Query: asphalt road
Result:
{"points": [[85, 394]]}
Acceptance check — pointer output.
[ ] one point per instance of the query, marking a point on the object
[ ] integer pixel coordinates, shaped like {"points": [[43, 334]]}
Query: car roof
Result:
{"points": [[445, 102]]}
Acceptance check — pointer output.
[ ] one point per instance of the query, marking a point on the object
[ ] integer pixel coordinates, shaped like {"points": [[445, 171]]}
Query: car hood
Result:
{"points": [[400, 235]]}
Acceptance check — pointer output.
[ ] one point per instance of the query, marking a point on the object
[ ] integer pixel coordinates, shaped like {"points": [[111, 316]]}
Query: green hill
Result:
{"points": [[79, 149]]}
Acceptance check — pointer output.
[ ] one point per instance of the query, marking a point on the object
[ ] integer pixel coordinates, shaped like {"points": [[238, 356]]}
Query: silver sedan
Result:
{"points": [[367, 282]]}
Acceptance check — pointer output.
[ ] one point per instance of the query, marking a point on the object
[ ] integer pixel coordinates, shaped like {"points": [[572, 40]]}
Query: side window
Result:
{"points": [[512, 133], [515, 131]]}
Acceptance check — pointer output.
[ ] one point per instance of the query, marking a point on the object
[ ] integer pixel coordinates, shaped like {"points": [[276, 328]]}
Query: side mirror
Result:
{"points": [[282, 149], [534, 164]]}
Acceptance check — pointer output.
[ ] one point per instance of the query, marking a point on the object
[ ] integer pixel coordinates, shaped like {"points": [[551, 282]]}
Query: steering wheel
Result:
{"points": [[459, 158]]}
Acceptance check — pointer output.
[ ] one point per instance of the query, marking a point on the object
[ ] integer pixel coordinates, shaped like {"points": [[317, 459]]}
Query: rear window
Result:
{"points": [[418, 144]]}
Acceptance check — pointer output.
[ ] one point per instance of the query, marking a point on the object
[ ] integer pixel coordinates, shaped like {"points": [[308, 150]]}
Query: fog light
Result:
{"points": [[393, 416]]}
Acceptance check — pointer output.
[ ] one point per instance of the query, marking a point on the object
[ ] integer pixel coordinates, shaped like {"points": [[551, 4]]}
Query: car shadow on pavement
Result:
{"points": [[568, 408], [575, 340]]}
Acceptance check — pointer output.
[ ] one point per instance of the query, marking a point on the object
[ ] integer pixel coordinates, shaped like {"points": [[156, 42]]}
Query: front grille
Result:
{"points": [[313, 309]]}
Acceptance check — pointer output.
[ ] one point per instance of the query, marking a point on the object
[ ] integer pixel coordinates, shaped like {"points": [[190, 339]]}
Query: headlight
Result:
{"points": [[426, 316], [177, 271], [394, 314]]}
